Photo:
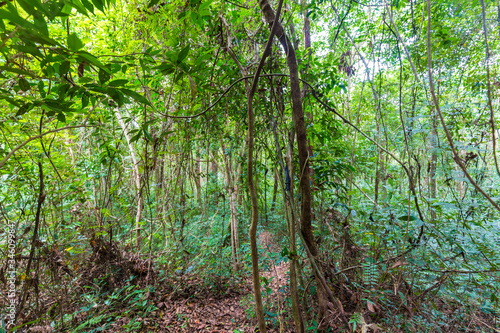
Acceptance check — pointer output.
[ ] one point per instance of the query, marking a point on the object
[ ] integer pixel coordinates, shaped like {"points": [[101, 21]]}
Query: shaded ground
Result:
{"points": [[121, 292], [116, 291]]}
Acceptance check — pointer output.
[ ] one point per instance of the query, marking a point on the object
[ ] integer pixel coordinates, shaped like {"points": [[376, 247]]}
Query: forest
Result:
{"points": [[249, 166]]}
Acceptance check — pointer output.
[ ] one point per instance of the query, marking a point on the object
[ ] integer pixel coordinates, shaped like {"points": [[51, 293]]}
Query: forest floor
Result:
{"points": [[231, 311], [119, 300], [118, 291]]}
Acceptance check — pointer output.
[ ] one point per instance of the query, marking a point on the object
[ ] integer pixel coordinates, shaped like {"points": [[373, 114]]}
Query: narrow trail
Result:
{"points": [[276, 292], [231, 312]]}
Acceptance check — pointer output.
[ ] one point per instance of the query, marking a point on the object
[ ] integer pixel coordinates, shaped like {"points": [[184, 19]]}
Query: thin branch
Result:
{"points": [[408, 56], [366, 195], [342, 22], [220, 97]]}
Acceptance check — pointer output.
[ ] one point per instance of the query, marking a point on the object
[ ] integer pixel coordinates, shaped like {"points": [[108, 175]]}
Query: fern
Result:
{"points": [[370, 273], [90, 322]]}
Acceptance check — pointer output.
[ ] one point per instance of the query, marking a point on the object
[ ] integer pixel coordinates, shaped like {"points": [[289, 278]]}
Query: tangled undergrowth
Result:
{"points": [[112, 290]]}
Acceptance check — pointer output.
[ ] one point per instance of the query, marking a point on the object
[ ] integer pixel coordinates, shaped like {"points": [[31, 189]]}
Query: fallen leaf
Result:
{"points": [[370, 306], [397, 264]]}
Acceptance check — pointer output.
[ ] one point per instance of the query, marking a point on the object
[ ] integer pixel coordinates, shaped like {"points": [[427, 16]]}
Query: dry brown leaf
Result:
{"points": [[374, 327], [398, 263], [42, 329], [370, 306]]}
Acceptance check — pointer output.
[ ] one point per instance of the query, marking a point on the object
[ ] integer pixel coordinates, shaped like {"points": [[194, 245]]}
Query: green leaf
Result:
{"points": [[145, 67], [56, 106], [118, 83], [17, 71], [103, 76], [30, 9], [24, 84], [28, 49], [99, 5], [88, 5], [23, 109], [13, 102], [61, 117], [93, 60], [64, 67], [49, 70], [43, 8], [152, 3], [62, 89], [178, 76], [146, 133], [74, 43], [15, 18], [183, 54], [95, 88], [136, 137], [205, 5], [194, 18], [85, 101], [36, 36], [182, 15], [41, 24], [116, 95], [40, 88], [166, 68], [137, 97], [407, 218], [79, 7]]}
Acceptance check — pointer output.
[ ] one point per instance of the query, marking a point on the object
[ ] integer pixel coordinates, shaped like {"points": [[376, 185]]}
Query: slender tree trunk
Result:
{"points": [[137, 178], [433, 161], [300, 129], [291, 213], [275, 191], [197, 181], [259, 309], [498, 17], [291, 219], [41, 199], [377, 165], [232, 191]]}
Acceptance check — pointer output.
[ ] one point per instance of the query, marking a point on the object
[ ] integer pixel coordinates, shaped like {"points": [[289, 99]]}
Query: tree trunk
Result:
{"points": [[197, 181], [291, 218], [137, 178], [300, 130], [275, 191], [232, 191], [433, 161], [259, 309]]}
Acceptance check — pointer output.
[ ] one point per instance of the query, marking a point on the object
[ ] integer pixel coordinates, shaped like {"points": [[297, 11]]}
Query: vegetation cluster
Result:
{"points": [[242, 166]]}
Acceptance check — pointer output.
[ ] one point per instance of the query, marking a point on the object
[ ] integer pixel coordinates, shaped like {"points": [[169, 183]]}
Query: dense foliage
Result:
{"points": [[123, 163]]}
